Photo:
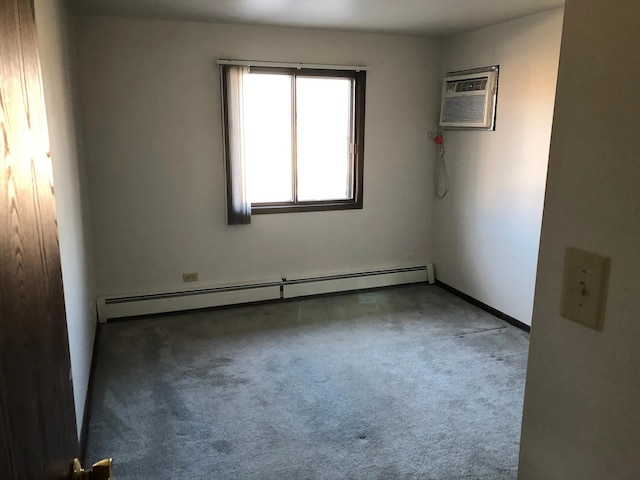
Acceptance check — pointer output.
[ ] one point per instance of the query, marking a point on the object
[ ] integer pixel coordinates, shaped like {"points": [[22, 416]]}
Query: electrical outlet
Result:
{"points": [[190, 277], [585, 285]]}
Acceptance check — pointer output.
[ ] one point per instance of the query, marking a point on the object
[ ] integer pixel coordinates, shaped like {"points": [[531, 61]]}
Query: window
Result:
{"points": [[294, 139]]}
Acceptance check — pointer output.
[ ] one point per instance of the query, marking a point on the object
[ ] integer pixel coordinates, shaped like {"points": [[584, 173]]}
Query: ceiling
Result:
{"points": [[419, 17]]}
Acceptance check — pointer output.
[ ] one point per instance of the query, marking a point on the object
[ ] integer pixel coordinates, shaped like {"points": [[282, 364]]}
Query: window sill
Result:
{"points": [[263, 209]]}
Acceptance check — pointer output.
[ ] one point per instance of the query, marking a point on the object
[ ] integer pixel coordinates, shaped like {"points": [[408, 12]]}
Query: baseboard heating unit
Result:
{"points": [[119, 306]]}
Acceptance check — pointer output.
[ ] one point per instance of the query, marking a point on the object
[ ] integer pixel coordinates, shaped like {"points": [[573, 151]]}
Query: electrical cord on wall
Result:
{"points": [[441, 181]]}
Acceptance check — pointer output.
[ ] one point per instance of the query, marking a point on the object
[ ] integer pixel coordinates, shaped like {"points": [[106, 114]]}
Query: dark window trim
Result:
{"points": [[290, 207], [359, 97]]}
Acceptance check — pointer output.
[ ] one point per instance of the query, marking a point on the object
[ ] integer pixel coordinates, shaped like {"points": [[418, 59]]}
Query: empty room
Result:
{"points": [[319, 240]]}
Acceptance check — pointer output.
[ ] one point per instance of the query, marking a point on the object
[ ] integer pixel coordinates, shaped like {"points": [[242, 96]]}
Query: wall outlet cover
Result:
{"points": [[190, 277]]}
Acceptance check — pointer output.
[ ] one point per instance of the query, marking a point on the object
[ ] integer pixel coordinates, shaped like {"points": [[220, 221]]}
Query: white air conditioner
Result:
{"points": [[469, 99]]}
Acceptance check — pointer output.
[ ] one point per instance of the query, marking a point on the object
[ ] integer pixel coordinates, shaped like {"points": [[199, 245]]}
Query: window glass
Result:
{"points": [[324, 138], [267, 137]]}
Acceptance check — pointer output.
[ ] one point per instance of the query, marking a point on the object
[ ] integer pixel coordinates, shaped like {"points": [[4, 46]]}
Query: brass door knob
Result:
{"points": [[99, 471]]}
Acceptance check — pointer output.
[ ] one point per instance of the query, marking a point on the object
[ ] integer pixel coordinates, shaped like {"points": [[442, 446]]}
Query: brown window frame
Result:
{"points": [[358, 109]]}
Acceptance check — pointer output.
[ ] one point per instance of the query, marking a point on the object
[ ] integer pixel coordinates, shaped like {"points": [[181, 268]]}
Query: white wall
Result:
{"points": [[487, 229], [151, 110], [582, 396], [71, 202]]}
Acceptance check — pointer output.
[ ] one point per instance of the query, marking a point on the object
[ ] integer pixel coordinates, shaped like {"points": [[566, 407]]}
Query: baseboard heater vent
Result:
{"points": [[162, 302]]}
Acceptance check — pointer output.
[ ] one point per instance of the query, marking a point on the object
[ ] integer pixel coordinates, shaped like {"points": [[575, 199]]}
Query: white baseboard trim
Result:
{"points": [[358, 281], [165, 302], [119, 306]]}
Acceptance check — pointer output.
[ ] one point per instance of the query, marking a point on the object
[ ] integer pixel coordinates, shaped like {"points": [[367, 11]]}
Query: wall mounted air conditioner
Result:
{"points": [[469, 99]]}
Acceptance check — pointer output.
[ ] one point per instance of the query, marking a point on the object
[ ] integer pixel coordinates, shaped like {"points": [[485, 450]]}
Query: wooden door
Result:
{"points": [[37, 420]]}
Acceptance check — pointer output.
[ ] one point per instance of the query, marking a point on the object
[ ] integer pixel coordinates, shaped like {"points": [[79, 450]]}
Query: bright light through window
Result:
{"points": [[267, 137], [311, 118], [324, 138]]}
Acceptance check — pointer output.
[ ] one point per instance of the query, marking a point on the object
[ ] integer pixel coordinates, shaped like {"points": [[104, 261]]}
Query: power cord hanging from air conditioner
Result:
{"points": [[441, 181]]}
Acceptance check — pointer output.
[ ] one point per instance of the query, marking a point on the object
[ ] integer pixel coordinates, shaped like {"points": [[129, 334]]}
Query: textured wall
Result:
{"points": [[583, 387], [487, 230], [70, 189], [151, 109]]}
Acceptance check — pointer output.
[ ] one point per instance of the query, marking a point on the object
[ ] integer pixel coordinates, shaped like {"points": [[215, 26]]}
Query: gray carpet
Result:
{"points": [[402, 383]]}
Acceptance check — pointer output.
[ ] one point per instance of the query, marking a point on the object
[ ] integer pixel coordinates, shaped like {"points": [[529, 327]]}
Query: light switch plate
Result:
{"points": [[584, 288]]}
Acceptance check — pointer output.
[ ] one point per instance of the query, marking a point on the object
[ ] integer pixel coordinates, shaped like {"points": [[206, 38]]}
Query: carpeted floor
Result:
{"points": [[402, 383]]}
